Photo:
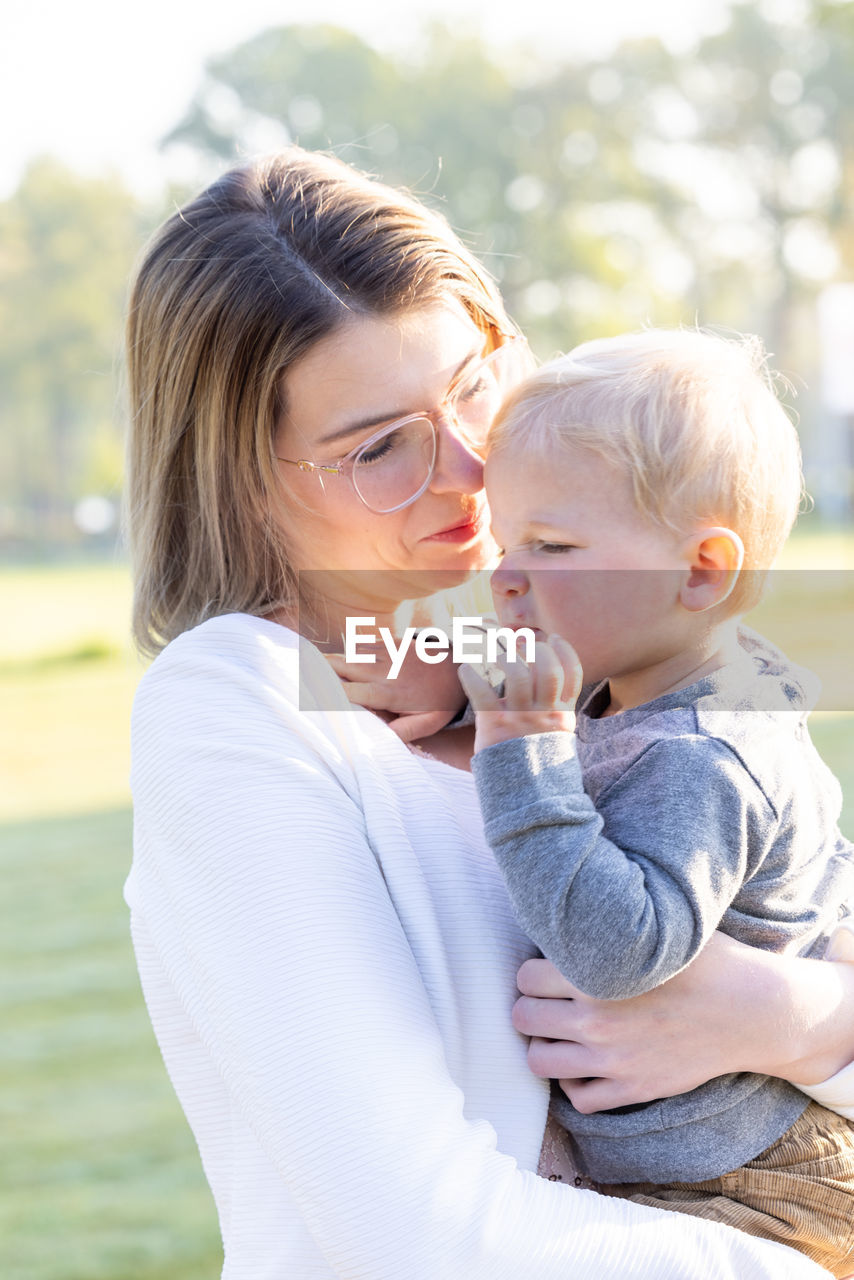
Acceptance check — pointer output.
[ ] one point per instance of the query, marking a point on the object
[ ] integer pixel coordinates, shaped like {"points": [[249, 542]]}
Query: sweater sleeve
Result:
{"points": [[269, 913], [837, 1093], [623, 898]]}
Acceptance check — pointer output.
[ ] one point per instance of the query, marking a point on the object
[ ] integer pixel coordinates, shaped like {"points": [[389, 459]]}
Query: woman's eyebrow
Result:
{"points": [[354, 428], [378, 419]]}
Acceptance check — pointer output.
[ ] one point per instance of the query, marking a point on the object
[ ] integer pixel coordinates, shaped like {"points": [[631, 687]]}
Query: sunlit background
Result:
{"points": [[614, 164]]}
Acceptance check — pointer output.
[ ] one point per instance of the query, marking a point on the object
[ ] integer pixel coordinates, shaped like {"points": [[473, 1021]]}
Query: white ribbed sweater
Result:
{"points": [[328, 957]]}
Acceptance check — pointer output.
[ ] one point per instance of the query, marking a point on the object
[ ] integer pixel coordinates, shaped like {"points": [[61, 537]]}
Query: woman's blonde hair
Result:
{"points": [[234, 288], [691, 417]]}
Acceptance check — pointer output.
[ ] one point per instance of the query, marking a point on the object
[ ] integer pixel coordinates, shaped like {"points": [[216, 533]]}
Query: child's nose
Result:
{"points": [[508, 582]]}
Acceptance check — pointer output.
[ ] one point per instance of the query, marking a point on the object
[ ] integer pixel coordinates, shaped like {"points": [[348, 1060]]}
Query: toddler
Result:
{"points": [[639, 488]]}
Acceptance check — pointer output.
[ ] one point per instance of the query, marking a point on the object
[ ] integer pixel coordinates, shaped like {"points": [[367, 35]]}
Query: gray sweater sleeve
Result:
{"points": [[621, 900]]}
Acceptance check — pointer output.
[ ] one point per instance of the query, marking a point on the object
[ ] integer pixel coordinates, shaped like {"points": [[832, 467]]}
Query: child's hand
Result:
{"points": [[539, 698], [416, 704]]}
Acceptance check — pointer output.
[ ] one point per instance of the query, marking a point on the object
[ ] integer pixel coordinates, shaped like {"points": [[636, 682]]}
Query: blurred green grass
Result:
{"points": [[67, 677], [809, 613], [101, 1179]]}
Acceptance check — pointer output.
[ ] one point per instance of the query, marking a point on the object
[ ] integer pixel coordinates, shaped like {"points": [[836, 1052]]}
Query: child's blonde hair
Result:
{"points": [[691, 417]]}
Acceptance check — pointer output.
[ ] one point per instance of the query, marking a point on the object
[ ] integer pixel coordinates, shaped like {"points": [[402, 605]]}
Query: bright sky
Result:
{"points": [[98, 82]]}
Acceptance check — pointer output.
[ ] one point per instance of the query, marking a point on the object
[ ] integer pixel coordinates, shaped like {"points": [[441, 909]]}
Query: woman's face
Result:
{"points": [[369, 372]]}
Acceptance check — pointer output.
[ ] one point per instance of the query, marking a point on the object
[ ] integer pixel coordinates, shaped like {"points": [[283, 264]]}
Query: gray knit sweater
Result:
{"points": [[626, 845]]}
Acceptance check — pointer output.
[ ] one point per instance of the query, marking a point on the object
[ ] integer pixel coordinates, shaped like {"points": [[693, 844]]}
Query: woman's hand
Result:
{"points": [[417, 703], [539, 698], [735, 1008]]}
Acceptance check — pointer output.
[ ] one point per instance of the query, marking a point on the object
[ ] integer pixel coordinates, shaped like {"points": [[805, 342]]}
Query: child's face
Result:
{"points": [[581, 561]]}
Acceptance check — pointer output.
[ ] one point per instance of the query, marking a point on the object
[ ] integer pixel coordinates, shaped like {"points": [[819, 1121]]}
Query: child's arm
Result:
{"points": [[619, 915]]}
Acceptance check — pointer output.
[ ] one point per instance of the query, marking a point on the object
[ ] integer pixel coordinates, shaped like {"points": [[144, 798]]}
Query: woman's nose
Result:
{"points": [[459, 466], [507, 582]]}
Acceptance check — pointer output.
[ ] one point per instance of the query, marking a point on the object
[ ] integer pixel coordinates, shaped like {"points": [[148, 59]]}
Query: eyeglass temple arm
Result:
{"points": [[305, 465]]}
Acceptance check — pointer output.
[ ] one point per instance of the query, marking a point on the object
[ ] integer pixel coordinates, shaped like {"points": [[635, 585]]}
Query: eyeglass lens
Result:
{"points": [[395, 469]]}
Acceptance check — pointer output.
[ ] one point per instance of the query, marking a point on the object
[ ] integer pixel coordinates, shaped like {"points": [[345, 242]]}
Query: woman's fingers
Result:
{"points": [[546, 1019], [423, 724], [373, 696], [611, 1053], [575, 1039], [337, 662], [576, 1067], [596, 1093], [550, 682], [378, 667], [539, 977]]}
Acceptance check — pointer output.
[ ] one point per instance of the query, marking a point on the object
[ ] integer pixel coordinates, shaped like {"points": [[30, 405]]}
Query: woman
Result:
{"points": [[324, 943]]}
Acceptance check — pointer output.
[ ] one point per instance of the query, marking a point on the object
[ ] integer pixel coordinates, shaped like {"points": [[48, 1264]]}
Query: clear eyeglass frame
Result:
{"points": [[346, 466]]}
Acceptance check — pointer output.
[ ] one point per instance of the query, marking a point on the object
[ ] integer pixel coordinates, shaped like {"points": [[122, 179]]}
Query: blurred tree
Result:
{"points": [[68, 243], [706, 184], [752, 145], [711, 184], [830, 85], [744, 136], [518, 164]]}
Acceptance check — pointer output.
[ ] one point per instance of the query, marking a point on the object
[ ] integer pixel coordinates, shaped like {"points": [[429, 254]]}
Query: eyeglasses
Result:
{"points": [[393, 467]]}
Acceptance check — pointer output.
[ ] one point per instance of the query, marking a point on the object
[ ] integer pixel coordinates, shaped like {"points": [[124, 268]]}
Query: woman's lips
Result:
{"points": [[464, 530]]}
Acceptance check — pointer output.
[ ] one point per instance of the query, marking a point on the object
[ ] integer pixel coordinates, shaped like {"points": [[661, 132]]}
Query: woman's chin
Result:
{"points": [[427, 582]]}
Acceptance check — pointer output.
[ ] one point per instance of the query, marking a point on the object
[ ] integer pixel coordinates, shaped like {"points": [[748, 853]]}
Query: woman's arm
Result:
{"points": [[268, 910], [735, 1008]]}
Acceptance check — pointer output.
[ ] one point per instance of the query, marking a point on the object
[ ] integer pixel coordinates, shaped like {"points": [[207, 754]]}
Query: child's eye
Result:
{"points": [[554, 548]]}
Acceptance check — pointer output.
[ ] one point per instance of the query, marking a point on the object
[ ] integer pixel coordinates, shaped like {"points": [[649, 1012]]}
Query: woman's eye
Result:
{"points": [[377, 451], [471, 390]]}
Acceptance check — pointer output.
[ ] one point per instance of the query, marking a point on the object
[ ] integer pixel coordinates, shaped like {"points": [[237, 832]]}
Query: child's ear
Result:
{"points": [[715, 556]]}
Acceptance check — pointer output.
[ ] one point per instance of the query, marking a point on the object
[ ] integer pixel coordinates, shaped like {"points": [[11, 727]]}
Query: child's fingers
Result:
{"points": [[547, 676], [573, 677], [518, 683], [538, 686], [479, 692]]}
